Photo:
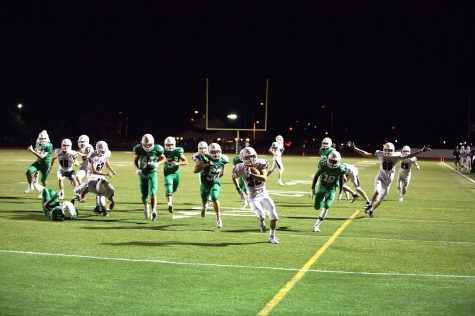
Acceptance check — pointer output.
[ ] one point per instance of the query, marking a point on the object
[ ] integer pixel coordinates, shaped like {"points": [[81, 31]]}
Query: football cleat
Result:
{"points": [[369, 211], [203, 210], [367, 207], [146, 212], [355, 196], [219, 222], [273, 240], [170, 208], [280, 183], [29, 188], [154, 216], [401, 199], [61, 194], [97, 210], [316, 228]]}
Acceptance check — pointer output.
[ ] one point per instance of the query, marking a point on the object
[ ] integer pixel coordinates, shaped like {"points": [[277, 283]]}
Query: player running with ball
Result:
{"points": [[253, 171]]}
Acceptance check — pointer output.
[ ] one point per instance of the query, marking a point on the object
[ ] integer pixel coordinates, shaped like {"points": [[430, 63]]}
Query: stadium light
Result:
{"points": [[232, 116], [19, 106]]}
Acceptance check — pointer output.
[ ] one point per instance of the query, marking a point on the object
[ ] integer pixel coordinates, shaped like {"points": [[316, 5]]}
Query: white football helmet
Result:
{"points": [[203, 147], [102, 148], [279, 139], [66, 145], [147, 142], [406, 151], [43, 137], [334, 159], [326, 143], [170, 143], [68, 209], [388, 149], [248, 156], [83, 141], [214, 151]]}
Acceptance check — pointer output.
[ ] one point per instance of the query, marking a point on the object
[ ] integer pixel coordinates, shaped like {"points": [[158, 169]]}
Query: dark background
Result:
{"points": [[358, 70]]}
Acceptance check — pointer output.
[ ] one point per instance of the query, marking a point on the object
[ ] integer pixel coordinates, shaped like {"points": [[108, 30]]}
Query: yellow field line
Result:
{"points": [[283, 291]]}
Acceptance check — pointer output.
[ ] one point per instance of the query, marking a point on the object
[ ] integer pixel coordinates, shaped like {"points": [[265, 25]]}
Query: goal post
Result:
{"points": [[249, 115]]}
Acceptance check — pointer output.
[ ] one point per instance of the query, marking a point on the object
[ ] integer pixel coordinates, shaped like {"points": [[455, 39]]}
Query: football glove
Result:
{"points": [[350, 144], [426, 148]]}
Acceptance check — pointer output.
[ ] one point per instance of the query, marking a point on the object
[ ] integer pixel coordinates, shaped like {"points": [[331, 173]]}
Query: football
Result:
{"points": [[254, 170]]}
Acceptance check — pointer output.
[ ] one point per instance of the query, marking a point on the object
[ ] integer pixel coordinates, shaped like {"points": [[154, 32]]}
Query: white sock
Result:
{"points": [[271, 232], [323, 213]]}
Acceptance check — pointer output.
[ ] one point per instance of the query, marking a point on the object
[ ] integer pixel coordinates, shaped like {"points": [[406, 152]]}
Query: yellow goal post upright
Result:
{"points": [[252, 128]]}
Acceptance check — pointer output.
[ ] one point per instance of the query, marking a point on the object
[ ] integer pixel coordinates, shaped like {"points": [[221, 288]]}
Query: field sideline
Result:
{"points": [[414, 258]]}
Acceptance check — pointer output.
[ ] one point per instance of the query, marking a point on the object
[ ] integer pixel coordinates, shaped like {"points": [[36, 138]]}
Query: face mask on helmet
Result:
{"points": [[214, 151], [406, 151], [326, 143], [147, 142], [101, 147], [388, 149], [279, 139], [43, 137], [170, 143], [249, 156], [203, 147], [83, 141], [66, 145], [333, 160]]}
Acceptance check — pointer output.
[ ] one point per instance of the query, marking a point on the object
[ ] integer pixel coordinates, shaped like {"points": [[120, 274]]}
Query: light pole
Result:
{"points": [[19, 106], [233, 117], [254, 132]]}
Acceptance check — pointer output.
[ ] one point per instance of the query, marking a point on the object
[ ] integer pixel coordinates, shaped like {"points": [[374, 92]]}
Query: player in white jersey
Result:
{"points": [[253, 171], [468, 159], [352, 176], [85, 151], [96, 181], [388, 158], [276, 149], [67, 160], [404, 174]]}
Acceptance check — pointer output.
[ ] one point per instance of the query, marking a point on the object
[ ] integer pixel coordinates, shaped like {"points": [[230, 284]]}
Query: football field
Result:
{"points": [[415, 257]]}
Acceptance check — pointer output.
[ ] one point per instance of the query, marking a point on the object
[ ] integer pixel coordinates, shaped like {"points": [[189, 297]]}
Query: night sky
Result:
{"points": [[402, 71]]}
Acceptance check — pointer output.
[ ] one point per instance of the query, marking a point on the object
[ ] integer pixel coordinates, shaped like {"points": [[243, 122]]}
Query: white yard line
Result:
{"points": [[33, 253], [468, 178]]}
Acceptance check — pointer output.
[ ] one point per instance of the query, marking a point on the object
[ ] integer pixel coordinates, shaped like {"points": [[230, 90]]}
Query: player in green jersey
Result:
{"points": [[42, 151], [331, 174], [148, 156], [211, 169], [53, 210], [326, 148], [171, 173]]}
